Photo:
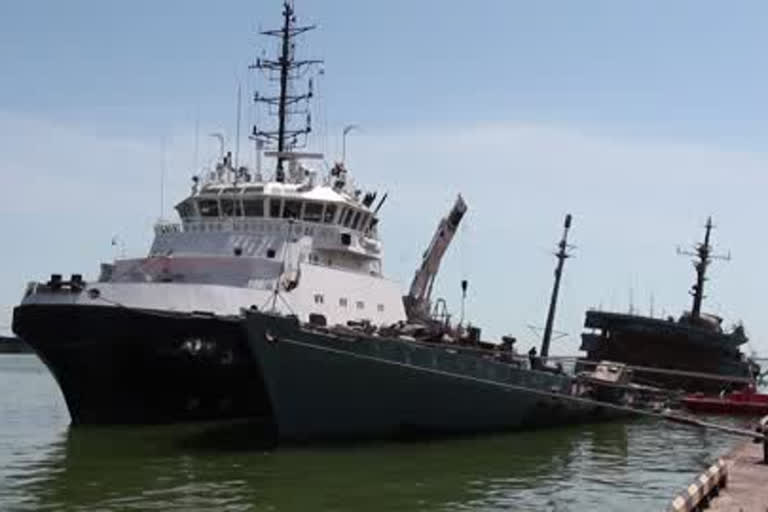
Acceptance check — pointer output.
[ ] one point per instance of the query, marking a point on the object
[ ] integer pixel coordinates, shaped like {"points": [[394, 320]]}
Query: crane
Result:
{"points": [[417, 302]]}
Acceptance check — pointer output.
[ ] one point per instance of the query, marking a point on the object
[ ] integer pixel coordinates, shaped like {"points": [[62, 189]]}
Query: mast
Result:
{"points": [[561, 255], [286, 69], [703, 258]]}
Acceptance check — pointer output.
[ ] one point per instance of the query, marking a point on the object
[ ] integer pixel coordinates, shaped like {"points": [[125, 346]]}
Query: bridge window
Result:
{"points": [[348, 217], [364, 221], [186, 210], [355, 222], [313, 212], [360, 304], [231, 208], [292, 210], [380, 308], [343, 302], [209, 207], [319, 299], [254, 207], [330, 213], [275, 206]]}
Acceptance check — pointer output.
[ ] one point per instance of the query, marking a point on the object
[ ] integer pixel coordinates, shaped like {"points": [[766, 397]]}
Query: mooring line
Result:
{"points": [[676, 418]]}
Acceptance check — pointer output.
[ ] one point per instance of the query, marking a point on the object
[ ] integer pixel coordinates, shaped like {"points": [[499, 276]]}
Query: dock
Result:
{"points": [[746, 490], [735, 483]]}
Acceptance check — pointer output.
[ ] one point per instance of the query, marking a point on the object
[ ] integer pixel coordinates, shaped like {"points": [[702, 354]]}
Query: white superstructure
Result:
{"points": [[303, 246]]}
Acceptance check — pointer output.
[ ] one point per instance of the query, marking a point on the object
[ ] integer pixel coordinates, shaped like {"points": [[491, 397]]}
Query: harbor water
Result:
{"points": [[46, 465]]}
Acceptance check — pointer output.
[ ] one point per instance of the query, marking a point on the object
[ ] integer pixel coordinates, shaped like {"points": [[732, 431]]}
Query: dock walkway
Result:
{"points": [[747, 489]]}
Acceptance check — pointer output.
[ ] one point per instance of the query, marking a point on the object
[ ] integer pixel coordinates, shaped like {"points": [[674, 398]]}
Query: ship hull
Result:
{"points": [[328, 386], [690, 358], [119, 365]]}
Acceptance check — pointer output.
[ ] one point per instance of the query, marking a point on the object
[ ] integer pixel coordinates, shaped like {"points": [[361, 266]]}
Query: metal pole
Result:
{"points": [[562, 255], [238, 121], [347, 129]]}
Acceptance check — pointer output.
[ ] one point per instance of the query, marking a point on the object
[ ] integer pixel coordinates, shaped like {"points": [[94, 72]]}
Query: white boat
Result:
{"points": [[155, 339]]}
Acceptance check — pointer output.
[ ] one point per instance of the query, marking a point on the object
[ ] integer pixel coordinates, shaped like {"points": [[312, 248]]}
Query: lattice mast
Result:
{"points": [[286, 69], [703, 257]]}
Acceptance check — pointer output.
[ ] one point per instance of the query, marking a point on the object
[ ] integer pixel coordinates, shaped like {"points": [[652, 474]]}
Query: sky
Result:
{"points": [[641, 118]]}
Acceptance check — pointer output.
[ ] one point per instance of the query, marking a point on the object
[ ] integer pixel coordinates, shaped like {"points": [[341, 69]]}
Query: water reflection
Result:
{"points": [[187, 468], [45, 465]]}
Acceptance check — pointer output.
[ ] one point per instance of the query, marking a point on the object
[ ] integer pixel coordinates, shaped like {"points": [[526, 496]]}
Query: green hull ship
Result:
{"points": [[340, 383]]}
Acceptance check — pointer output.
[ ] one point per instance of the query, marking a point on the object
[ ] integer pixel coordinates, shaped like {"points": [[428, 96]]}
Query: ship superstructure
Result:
{"points": [[693, 352], [155, 338]]}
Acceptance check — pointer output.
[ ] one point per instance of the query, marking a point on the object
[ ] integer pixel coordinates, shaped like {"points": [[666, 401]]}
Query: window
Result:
{"points": [[364, 220], [348, 217], [186, 210], [274, 208], [342, 302], [209, 208], [330, 213], [292, 210], [254, 207], [230, 208], [319, 299], [380, 308], [360, 304], [355, 222], [313, 212]]}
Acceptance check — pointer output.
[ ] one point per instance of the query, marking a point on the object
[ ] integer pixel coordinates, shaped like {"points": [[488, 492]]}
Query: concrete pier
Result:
{"points": [[747, 489]]}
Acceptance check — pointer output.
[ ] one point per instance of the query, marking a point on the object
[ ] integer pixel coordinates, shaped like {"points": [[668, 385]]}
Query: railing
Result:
{"points": [[167, 227]]}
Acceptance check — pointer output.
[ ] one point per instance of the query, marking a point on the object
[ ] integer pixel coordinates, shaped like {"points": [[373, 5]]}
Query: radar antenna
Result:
{"points": [[703, 257], [286, 69]]}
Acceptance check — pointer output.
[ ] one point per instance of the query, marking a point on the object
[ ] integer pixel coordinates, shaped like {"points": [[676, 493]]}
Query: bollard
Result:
{"points": [[765, 448], [762, 428]]}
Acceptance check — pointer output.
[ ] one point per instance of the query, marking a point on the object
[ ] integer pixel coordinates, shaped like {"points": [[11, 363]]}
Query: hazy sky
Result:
{"points": [[640, 118]]}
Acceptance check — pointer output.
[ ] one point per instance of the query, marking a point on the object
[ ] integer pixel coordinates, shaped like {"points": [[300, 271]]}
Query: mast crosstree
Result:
{"points": [[703, 257], [286, 69]]}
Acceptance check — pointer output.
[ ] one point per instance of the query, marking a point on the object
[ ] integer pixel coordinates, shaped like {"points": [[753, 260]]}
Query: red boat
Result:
{"points": [[747, 402]]}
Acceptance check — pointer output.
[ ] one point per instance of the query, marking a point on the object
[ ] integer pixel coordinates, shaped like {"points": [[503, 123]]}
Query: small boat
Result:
{"points": [[745, 402]]}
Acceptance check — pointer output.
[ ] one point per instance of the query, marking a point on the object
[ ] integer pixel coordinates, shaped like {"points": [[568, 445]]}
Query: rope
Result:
{"points": [[677, 418], [683, 373], [648, 369]]}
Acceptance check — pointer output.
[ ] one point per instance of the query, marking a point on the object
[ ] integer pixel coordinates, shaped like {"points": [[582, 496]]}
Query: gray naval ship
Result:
{"points": [[327, 383], [420, 377]]}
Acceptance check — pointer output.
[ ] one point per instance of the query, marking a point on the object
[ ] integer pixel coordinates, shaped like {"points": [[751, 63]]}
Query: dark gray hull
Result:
{"points": [[323, 385]]}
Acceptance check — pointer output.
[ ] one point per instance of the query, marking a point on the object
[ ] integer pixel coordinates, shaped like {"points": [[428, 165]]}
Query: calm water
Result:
{"points": [[45, 465]]}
